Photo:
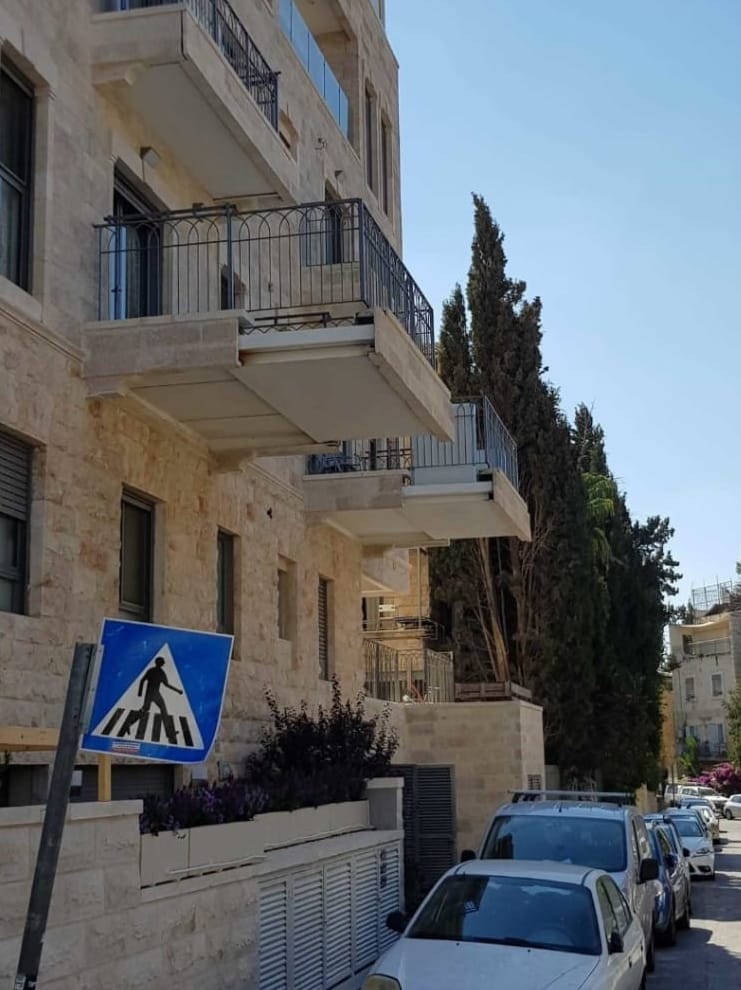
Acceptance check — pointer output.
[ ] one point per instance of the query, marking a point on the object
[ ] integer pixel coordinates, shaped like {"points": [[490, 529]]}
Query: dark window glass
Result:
{"points": [[598, 843], [385, 168], [225, 582], [15, 496], [16, 129], [137, 545], [323, 615], [134, 254], [538, 914], [370, 140]]}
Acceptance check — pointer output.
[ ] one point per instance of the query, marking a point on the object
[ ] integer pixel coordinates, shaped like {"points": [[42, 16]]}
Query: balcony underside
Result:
{"points": [[382, 509], [273, 393], [384, 572], [155, 63]]}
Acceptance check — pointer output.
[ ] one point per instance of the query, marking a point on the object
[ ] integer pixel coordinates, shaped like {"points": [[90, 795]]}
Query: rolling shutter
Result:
{"points": [[323, 631], [15, 477], [306, 926], [366, 910], [273, 936], [337, 923]]}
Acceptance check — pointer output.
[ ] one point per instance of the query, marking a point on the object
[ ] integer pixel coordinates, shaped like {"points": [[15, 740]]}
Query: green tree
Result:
{"points": [[733, 719], [689, 761], [454, 348]]}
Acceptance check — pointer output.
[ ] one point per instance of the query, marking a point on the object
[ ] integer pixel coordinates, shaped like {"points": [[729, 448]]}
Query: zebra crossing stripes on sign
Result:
{"points": [[157, 692]]}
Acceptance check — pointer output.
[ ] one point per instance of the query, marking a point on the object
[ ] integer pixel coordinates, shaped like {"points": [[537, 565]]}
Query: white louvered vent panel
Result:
{"points": [[273, 936], [337, 923], [307, 926]]}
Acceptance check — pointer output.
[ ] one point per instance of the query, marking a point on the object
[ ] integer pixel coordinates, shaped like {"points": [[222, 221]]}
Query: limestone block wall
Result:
{"points": [[494, 748]]}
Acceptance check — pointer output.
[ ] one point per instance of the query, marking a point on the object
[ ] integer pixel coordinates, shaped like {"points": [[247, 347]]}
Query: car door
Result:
{"points": [[631, 934], [618, 967], [645, 892]]}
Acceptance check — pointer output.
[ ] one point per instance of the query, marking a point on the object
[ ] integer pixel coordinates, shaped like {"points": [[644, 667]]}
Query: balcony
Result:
{"points": [[266, 332], [408, 675], [191, 72], [708, 648], [423, 492]]}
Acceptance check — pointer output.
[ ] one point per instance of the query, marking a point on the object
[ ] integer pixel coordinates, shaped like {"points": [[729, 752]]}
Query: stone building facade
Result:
{"points": [[156, 427]]}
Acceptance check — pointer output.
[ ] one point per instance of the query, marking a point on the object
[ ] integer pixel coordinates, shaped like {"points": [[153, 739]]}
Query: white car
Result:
{"points": [[697, 845], [717, 801], [706, 810], [733, 806], [516, 925]]}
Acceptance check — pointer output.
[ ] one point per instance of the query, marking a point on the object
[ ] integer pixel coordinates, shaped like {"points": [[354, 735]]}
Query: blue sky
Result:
{"points": [[606, 137]]}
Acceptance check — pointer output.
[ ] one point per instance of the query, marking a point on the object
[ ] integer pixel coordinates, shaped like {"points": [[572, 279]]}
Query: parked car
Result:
{"points": [[697, 845], [675, 840], [693, 813], [505, 924], [733, 807], [707, 811], [598, 834], [672, 906], [718, 801]]}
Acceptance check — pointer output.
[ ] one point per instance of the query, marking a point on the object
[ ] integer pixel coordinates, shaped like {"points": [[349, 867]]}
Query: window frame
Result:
{"points": [[225, 584], [324, 643], [130, 610], [22, 184], [689, 695], [20, 519], [371, 139], [719, 675], [620, 908], [386, 170]]}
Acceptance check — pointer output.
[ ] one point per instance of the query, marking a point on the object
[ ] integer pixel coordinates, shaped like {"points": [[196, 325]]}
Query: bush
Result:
{"points": [[724, 778], [306, 761], [303, 762]]}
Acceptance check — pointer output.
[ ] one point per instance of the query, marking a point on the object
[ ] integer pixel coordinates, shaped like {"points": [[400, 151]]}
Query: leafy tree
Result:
{"points": [[454, 348], [689, 761], [733, 720]]}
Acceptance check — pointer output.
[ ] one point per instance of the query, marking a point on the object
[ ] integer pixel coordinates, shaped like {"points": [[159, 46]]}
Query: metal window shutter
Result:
{"points": [[337, 923], [307, 931], [15, 477], [436, 822], [273, 936], [390, 891], [322, 610], [366, 910]]}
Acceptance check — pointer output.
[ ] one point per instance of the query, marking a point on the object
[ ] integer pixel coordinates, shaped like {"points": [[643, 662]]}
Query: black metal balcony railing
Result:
{"points": [[408, 675], [237, 47], [482, 441], [279, 265]]}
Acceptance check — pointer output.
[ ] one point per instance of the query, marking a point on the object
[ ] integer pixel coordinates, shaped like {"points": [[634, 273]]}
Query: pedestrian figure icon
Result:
{"points": [[151, 683]]}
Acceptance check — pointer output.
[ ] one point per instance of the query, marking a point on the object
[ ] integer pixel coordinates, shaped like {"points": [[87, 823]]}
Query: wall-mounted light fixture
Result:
{"points": [[149, 156]]}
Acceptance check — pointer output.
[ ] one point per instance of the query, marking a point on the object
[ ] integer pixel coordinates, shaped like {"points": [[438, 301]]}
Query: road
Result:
{"points": [[708, 956]]}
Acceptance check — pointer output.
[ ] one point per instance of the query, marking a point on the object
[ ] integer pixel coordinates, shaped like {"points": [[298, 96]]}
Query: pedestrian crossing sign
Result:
{"points": [[157, 692]]}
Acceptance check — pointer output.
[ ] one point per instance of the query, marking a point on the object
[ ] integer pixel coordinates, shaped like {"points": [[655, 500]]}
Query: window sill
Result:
{"points": [[20, 302]]}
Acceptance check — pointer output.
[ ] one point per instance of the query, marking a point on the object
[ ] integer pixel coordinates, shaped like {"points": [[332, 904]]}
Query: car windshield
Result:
{"points": [[536, 914], [595, 842], [688, 827]]}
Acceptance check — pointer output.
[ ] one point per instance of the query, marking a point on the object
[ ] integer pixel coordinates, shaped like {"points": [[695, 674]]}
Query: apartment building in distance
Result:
{"points": [[205, 318], [707, 654]]}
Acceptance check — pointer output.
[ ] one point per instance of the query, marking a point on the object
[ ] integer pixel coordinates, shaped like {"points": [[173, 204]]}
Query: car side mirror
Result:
{"points": [[648, 870], [467, 855], [671, 861], [396, 922], [686, 852], [615, 943]]}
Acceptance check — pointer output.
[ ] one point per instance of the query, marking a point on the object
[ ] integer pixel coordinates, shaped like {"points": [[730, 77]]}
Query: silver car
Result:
{"points": [[733, 807]]}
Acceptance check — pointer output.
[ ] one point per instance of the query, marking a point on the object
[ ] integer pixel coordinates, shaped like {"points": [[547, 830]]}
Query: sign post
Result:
{"points": [[54, 816]]}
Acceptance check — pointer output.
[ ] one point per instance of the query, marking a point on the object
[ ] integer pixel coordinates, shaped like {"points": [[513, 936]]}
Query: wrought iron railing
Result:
{"points": [[222, 23], [482, 440], [280, 265], [408, 675], [403, 625]]}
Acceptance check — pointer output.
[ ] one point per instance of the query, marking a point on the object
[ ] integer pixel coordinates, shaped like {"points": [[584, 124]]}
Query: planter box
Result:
{"points": [[162, 857], [288, 828], [220, 846]]}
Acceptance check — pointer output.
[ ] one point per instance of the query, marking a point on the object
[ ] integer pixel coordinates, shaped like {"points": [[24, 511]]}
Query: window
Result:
{"points": [[137, 545], [609, 921], [717, 685], [619, 905], [134, 252], [687, 645], [16, 130], [286, 597], [385, 168], [689, 689], [370, 139], [224, 582], [324, 605], [15, 496]]}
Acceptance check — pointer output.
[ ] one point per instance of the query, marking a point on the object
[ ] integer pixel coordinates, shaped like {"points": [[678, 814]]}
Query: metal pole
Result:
{"points": [[54, 816]]}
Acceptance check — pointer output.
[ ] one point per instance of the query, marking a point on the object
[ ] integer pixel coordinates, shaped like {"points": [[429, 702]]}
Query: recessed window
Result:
{"points": [[15, 497], [717, 685], [370, 139], [324, 617], [16, 130], [386, 168], [689, 689], [224, 582], [137, 551]]}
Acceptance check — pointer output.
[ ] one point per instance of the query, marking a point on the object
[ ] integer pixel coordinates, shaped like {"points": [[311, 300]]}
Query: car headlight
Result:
{"points": [[381, 983], [702, 851]]}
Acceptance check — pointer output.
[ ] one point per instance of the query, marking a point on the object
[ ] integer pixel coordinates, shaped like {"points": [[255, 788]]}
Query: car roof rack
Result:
{"points": [[601, 797]]}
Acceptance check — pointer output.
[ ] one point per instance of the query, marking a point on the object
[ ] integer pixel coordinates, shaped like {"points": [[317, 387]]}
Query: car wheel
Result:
{"points": [[728, 815], [712, 875], [651, 956], [684, 921]]}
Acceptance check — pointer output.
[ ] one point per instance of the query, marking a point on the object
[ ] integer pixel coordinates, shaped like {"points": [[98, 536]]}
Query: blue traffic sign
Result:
{"points": [[157, 692]]}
